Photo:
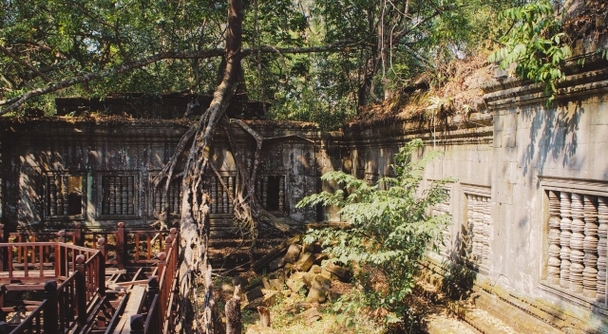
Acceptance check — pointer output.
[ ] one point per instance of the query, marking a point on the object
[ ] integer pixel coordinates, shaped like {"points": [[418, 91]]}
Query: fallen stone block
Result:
{"points": [[319, 290], [305, 261], [253, 294], [272, 298], [277, 284], [315, 269], [311, 315], [293, 253], [276, 264], [295, 282]]}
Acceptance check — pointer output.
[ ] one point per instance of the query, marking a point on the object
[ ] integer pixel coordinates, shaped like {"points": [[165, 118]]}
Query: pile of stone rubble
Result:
{"points": [[298, 275]]}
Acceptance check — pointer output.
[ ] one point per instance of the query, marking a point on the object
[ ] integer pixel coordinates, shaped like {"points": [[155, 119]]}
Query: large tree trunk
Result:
{"points": [[194, 223]]}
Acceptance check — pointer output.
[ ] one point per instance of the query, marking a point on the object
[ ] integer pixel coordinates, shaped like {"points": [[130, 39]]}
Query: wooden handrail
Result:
{"points": [[33, 323], [82, 273]]}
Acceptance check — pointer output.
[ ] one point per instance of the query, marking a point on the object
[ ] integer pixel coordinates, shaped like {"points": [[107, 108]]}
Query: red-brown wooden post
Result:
{"points": [[173, 232], [61, 260], [137, 324], [51, 314], [81, 291], [121, 256], [101, 274], [101, 246], [161, 263], [61, 236], [152, 290], [2, 293], [3, 249], [78, 237], [168, 243]]}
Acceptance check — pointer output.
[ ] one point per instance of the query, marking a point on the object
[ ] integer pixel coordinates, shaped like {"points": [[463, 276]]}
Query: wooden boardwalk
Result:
{"points": [[77, 289]]}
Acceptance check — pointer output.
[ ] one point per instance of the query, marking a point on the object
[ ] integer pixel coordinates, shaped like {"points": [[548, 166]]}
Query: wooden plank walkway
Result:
{"points": [[136, 300]]}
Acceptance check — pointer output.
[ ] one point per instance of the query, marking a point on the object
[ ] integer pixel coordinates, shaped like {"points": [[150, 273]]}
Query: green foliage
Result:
{"points": [[536, 43], [390, 226]]}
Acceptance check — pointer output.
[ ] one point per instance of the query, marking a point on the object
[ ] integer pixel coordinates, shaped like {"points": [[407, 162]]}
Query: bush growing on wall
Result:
{"points": [[389, 227]]}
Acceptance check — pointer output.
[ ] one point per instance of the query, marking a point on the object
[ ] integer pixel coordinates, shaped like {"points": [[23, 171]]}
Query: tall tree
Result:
{"points": [[98, 47]]}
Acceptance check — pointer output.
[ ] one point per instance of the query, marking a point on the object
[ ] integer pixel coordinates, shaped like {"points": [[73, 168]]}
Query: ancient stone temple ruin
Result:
{"points": [[529, 199]]}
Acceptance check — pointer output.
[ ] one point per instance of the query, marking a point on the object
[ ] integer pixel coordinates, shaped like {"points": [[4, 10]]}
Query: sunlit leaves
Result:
{"points": [[390, 225], [536, 43]]}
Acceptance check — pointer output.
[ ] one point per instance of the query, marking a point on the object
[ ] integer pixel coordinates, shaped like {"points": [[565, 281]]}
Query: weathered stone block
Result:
{"points": [[311, 315], [320, 257], [276, 284], [272, 298], [293, 252], [276, 264], [315, 269], [308, 278], [319, 290], [295, 282], [253, 294], [305, 261], [325, 273], [266, 283]]}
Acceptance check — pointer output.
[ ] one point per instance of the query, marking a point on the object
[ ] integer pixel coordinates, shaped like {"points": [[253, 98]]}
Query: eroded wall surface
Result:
{"points": [[530, 198], [57, 172]]}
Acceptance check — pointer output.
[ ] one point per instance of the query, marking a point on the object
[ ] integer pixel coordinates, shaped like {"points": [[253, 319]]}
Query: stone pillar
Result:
{"points": [[564, 240], [590, 248], [231, 190], [602, 247], [576, 244], [281, 194], [553, 269]]}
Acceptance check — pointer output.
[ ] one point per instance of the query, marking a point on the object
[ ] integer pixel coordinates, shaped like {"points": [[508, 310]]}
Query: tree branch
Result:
{"points": [[16, 102], [27, 65]]}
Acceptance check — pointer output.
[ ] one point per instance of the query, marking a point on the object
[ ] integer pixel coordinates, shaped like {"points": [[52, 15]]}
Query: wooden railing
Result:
{"points": [[123, 246], [162, 291], [68, 306], [41, 264]]}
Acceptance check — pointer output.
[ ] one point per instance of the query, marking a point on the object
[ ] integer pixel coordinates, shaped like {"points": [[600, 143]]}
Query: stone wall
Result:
{"points": [[529, 204], [59, 171]]}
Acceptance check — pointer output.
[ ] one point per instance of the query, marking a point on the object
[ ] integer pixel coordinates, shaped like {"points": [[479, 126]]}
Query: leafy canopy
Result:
{"points": [[536, 43], [390, 225], [377, 46]]}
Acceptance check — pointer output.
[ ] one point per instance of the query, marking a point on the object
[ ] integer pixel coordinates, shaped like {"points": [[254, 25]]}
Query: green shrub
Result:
{"points": [[390, 228]]}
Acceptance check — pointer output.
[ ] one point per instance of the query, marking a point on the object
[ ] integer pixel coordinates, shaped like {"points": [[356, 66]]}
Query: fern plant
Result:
{"points": [[390, 226], [536, 43]]}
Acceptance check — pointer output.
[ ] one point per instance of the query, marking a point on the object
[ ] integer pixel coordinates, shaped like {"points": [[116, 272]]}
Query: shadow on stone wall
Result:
{"points": [[553, 135]]}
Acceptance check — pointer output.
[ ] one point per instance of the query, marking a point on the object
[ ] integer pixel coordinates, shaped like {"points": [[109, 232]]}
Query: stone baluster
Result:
{"points": [[213, 196], [53, 197], [63, 193], [112, 195], [478, 231], [59, 196], [553, 269], [590, 247], [231, 190], [564, 240], [471, 227], [602, 247], [486, 218], [131, 198], [225, 203], [281, 193], [475, 229], [576, 244]]}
